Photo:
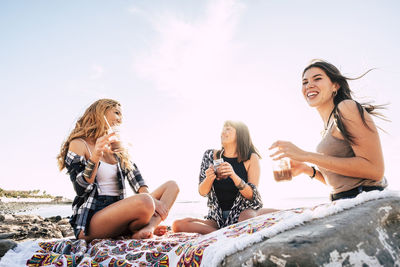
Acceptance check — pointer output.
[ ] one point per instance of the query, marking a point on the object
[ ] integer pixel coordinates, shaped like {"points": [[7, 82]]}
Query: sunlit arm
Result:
{"points": [[96, 161], [79, 148], [368, 160], [354, 167], [253, 175], [206, 184], [307, 170]]}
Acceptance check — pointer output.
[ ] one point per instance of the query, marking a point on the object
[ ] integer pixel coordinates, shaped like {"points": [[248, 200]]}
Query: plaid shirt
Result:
{"points": [[240, 204], [85, 201]]}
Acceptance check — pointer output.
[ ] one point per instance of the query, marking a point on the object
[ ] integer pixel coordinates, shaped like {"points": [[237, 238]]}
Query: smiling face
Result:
{"points": [[318, 89], [228, 135], [114, 116]]}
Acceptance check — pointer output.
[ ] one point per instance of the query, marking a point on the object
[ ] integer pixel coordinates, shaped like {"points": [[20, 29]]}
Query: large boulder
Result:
{"points": [[366, 235], [6, 245]]}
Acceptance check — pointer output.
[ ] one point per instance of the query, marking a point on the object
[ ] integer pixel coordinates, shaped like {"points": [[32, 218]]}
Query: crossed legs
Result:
{"points": [[120, 217], [166, 193], [135, 214]]}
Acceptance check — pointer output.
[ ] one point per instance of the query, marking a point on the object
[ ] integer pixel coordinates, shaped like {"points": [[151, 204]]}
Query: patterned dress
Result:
{"points": [[240, 204]]}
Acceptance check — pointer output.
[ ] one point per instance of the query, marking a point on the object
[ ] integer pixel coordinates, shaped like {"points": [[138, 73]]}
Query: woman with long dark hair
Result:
{"points": [[98, 167], [231, 187], [349, 157]]}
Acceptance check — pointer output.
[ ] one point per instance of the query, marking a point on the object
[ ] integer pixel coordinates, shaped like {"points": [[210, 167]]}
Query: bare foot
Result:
{"points": [[161, 230], [144, 233]]}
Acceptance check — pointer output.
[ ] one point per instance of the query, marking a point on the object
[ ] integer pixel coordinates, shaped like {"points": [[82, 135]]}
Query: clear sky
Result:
{"points": [[180, 69]]}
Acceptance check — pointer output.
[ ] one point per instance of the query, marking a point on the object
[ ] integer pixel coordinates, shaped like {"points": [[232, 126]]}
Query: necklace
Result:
{"points": [[327, 123]]}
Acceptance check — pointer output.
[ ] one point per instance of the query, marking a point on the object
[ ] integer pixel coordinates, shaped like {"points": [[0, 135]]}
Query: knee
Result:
{"points": [[172, 185], [177, 225], [146, 205]]}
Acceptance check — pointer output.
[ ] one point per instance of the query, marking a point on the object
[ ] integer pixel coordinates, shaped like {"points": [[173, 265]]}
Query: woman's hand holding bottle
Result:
{"points": [[225, 170], [210, 173], [102, 146]]}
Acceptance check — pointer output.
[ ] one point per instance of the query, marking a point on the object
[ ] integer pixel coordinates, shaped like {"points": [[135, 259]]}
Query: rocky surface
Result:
{"points": [[366, 235], [15, 207], [16, 228]]}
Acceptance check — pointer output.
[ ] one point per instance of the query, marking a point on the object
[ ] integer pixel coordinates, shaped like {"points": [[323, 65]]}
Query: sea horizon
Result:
{"points": [[181, 208]]}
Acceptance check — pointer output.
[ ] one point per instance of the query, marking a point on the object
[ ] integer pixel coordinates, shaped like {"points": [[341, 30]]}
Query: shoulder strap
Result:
{"points": [[87, 146]]}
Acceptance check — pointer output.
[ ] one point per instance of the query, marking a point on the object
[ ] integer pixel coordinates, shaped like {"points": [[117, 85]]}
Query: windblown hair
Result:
{"points": [[244, 144], [92, 125], [344, 93]]}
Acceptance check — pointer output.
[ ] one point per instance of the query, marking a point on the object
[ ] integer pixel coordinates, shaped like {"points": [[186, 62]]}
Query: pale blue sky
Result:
{"points": [[180, 69]]}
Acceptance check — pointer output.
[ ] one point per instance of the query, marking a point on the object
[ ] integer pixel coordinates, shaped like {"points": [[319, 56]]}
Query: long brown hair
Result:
{"points": [[244, 144], [92, 125], [344, 93]]}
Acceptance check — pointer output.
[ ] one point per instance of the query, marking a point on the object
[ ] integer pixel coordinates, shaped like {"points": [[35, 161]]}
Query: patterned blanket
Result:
{"points": [[174, 249]]}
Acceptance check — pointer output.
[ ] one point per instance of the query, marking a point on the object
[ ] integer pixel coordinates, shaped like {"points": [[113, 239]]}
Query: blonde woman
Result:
{"points": [[100, 208]]}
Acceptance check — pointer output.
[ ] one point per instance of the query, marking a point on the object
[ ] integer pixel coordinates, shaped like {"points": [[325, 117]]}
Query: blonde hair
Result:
{"points": [[92, 125]]}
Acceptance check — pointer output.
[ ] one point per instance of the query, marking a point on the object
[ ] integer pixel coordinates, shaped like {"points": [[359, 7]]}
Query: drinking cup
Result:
{"points": [[216, 163], [115, 141], [281, 169]]}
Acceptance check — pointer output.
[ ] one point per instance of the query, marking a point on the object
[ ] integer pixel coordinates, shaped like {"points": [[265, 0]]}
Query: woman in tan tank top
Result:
{"points": [[349, 157]]}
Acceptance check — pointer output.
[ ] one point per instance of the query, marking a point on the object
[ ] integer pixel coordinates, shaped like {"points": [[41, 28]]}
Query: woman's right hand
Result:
{"points": [[102, 145], [210, 174], [297, 167]]}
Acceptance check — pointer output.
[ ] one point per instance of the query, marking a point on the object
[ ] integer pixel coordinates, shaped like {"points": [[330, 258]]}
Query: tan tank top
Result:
{"points": [[333, 146]]}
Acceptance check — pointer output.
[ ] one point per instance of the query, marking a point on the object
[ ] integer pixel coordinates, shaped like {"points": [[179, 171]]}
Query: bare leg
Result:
{"points": [[247, 214], [167, 194], [265, 211], [129, 214], [193, 225]]}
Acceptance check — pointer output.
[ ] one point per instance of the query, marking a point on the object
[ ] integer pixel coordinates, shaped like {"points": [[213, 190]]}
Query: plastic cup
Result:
{"points": [[216, 163], [281, 169], [115, 141]]}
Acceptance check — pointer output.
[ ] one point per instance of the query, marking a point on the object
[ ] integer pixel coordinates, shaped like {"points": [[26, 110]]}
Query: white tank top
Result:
{"points": [[106, 177]]}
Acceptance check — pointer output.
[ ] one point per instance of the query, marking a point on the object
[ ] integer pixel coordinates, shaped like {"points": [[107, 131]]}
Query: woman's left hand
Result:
{"points": [[287, 149], [225, 170], [161, 209]]}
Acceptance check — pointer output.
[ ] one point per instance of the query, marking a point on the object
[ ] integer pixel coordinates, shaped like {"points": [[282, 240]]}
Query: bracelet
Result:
{"points": [[87, 172], [90, 163], [89, 169], [241, 185], [314, 172]]}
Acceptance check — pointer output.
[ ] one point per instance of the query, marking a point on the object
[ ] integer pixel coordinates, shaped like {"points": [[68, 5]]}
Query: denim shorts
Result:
{"points": [[104, 201], [225, 214]]}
